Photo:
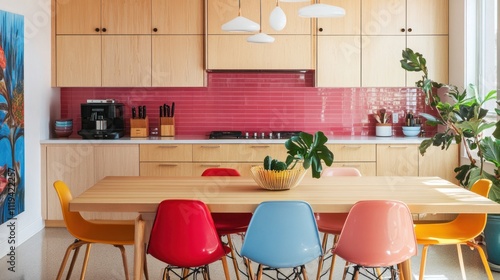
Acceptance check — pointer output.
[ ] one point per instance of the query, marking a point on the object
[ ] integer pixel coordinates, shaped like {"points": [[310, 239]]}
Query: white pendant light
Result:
{"points": [[260, 37], [277, 19], [240, 23], [321, 11]]}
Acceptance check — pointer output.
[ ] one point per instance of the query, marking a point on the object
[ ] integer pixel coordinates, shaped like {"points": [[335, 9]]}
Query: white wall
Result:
{"points": [[41, 103]]}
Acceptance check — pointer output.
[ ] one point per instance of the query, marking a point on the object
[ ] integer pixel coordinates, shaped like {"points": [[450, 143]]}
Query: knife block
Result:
{"points": [[139, 127], [167, 126]]}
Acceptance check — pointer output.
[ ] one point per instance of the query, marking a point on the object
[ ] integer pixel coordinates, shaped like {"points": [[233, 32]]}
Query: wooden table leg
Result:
{"points": [[138, 247]]}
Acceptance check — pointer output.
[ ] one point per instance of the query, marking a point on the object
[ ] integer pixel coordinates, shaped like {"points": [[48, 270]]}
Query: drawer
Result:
{"points": [[351, 152], [177, 153], [366, 168], [237, 152], [166, 169]]}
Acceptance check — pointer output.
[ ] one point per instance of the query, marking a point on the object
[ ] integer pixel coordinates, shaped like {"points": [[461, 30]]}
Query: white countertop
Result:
{"points": [[199, 139]]}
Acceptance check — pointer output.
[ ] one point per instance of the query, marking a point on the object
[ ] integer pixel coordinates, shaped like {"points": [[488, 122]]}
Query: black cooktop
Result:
{"points": [[233, 134]]}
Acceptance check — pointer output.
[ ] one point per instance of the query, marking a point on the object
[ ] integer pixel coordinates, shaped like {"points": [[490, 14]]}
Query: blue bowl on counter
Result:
{"points": [[411, 131]]}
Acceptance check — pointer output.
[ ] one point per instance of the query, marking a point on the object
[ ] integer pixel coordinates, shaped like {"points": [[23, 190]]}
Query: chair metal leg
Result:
{"points": [[422, 262], [86, 261], [124, 259]]}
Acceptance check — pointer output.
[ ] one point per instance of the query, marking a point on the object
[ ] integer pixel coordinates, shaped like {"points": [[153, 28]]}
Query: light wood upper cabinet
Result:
{"points": [[350, 24], [177, 17], [78, 17], [338, 61], [427, 17], [435, 51], [126, 16], [78, 59], [380, 66], [222, 11], [126, 60]]}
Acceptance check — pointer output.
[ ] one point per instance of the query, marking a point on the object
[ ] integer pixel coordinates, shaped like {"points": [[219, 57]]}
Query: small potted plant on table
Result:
{"points": [[304, 151]]}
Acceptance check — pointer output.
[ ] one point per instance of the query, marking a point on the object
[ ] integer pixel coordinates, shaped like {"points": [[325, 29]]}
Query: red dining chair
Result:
{"points": [[229, 223], [184, 236], [332, 223], [376, 234]]}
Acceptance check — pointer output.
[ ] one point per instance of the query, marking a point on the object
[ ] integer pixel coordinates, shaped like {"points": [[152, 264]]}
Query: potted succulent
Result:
{"points": [[304, 151], [463, 119]]}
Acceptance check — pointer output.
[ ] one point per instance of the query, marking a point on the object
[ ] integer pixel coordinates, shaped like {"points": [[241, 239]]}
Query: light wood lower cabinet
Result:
{"points": [[238, 152], [80, 167]]}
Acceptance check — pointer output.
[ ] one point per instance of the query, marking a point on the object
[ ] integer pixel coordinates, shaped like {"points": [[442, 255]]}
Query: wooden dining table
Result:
{"points": [[142, 195]]}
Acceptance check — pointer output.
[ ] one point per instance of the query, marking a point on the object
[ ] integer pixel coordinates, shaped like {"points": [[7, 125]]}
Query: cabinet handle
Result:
{"points": [[320, 29], [167, 164], [104, 30], [210, 165], [260, 146], [351, 147], [155, 29], [351, 165], [403, 30], [398, 147], [97, 29], [410, 30], [211, 147], [168, 147]]}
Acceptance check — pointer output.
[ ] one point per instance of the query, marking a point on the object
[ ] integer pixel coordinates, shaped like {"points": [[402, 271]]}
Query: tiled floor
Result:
{"points": [[40, 257]]}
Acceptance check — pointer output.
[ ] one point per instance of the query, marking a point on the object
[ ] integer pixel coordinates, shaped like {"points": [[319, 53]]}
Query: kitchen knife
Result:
{"points": [[133, 113], [140, 112], [161, 111], [165, 110], [172, 111], [144, 111]]}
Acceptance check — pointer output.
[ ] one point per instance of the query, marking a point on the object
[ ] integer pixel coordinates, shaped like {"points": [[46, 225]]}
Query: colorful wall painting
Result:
{"points": [[12, 162]]}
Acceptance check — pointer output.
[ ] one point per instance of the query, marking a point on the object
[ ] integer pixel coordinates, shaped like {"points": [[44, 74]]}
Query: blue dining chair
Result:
{"points": [[282, 234]]}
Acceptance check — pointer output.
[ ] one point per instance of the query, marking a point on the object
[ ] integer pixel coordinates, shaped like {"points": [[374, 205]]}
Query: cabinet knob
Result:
{"points": [[410, 30], [155, 29], [97, 29], [104, 30], [320, 29], [402, 30]]}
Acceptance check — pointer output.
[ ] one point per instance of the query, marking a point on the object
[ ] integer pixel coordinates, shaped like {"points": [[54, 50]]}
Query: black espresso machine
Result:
{"points": [[102, 121]]}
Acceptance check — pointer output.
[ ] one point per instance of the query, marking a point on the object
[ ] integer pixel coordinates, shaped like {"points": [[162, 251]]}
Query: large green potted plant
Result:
{"points": [[304, 151], [462, 118]]}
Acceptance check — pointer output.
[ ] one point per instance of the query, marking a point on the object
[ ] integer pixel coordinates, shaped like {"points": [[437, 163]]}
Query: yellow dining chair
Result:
{"points": [[461, 231], [332, 223], [87, 233]]}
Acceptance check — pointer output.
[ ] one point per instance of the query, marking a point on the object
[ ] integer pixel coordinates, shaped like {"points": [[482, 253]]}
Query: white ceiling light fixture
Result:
{"points": [[319, 10], [260, 37], [277, 19], [240, 23]]}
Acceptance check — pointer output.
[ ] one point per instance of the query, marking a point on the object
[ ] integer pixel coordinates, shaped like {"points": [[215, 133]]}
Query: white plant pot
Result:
{"points": [[383, 129]]}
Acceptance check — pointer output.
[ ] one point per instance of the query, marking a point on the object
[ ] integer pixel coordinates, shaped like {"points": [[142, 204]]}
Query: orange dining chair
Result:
{"points": [[460, 231], [184, 236], [376, 234], [87, 233], [229, 223], [332, 223]]}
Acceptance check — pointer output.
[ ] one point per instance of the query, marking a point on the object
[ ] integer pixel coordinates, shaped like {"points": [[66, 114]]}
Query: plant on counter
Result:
{"points": [[305, 148], [464, 120]]}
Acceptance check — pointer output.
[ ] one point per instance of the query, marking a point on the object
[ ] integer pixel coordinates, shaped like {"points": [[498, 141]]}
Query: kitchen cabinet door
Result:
{"points": [[178, 17], [380, 66], [338, 61], [78, 60], [350, 24], [242, 167], [73, 164], [177, 60], [435, 21], [126, 60], [237, 152], [436, 162], [126, 16], [168, 152], [397, 160], [384, 17], [77, 17], [234, 52], [435, 51], [353, 152], [166, 169], [116, 160], [222, 11], [365, 168]]}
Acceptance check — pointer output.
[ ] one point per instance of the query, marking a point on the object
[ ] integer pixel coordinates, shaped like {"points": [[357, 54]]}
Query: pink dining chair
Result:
{"points": [[229, 223], [376, 234], [332, 223]]}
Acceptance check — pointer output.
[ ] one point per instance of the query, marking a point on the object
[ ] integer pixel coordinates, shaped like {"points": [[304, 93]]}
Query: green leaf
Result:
{"points": [[491, 150]]}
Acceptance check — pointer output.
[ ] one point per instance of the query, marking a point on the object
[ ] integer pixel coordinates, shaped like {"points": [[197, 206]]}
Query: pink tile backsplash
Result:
{"points": [[260, 102]]}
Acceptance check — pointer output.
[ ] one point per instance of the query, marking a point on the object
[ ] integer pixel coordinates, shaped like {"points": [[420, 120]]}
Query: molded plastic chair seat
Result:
{"points": [[87, 233], [462, 230], [377, 233], [184, 236], [282, 234]]}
